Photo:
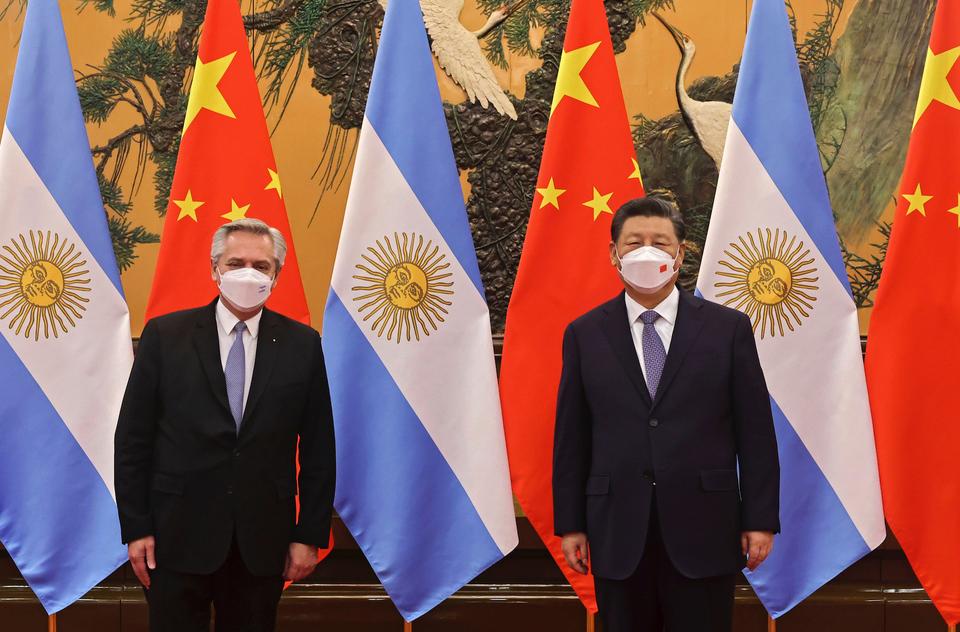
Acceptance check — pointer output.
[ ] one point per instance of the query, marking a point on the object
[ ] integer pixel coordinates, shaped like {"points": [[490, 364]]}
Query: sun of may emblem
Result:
{"points": [[43, 282], [404, 285], [771, 279]]}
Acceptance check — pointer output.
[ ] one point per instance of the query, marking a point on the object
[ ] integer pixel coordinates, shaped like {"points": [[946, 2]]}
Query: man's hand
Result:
{"points": [[756, 545], [574, 546], [301, 560], [141, 557]]}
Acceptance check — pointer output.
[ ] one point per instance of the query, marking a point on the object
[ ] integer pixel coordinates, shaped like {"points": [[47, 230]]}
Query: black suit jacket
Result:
{"points": [[612, 443], [182, 472]]}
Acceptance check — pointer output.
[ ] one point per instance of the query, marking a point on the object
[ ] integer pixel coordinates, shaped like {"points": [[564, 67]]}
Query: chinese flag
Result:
{"points": [[589, 168], [225, 171], [914, 340]]}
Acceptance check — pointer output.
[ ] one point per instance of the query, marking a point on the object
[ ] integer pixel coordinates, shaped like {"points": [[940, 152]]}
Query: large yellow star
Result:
{"points": [[274, 183], [917, 201], [569, 82], [188, 207], [204, 92], [599, 203], [956, 210], [551, 195], [636, 172], [934, 85], [236, 211]]}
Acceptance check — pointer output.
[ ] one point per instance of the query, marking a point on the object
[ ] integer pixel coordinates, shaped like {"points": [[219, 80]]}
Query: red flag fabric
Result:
{"points": [[589, 168], [913, 342], [225, 171]]}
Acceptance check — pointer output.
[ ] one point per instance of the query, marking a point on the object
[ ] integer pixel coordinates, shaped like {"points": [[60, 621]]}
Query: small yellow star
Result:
{"points": [[551, 195], [599, 203], [956, 210], [205, 92], [636, 172], [274, 183], [934, 85], [188, 207], [236, 211], [569, 82], [917, 201]]}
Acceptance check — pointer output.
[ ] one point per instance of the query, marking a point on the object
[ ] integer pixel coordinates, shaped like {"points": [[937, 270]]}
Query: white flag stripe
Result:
{"points": [[797, 382], [86, 391], [461, 416]]}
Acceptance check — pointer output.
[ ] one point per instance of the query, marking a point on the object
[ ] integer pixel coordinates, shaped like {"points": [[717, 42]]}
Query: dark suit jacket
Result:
{"points": [[711, 412], [183, 474]]}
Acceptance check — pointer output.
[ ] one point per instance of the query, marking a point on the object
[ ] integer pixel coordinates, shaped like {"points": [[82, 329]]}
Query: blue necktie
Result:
{"points": [[654, 355], [235, 372]]}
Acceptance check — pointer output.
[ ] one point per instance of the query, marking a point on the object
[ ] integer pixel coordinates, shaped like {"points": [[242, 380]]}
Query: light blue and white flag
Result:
{"points": [[65, 350], [422, 477], [772, 252]]}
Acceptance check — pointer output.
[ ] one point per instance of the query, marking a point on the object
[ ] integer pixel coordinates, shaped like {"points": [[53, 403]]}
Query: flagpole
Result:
{"points": [[591, 621], [407, 626], [52, 623], [951, 627], [771, 624]]}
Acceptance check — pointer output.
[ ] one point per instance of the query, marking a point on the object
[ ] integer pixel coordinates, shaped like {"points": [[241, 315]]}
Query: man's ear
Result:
{"points": [[276, 277], [613, 255]]}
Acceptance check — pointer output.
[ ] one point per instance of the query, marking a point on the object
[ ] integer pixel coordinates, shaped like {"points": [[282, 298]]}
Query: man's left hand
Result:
{"points": [[301, 560], [756, 545]]}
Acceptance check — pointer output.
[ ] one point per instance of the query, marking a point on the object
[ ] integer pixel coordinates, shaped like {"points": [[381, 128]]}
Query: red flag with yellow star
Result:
{"points": [[225, 171], [589, 168], [913, 343]]}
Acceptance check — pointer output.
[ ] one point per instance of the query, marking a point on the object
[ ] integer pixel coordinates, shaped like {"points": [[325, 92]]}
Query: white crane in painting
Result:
{"points": [[458, 51], [708, 120]]}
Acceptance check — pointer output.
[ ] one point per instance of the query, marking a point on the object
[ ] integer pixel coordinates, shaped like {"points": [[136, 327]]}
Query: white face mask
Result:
{"points": [[245, 288], [647, 269]]}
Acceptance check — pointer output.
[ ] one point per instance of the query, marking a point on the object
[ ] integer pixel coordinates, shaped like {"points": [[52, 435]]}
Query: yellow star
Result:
{"points": [[551, 195], [188, 207], [934, 85], [917, 201], [956, 210], [599, 203], [274, 183], [569, 82], [236, 211], [204, 92], [636, 172]]}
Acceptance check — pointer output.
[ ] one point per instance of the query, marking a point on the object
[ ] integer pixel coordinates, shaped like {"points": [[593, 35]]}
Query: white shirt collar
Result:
{"points": [[667, 308], [227, 321]]}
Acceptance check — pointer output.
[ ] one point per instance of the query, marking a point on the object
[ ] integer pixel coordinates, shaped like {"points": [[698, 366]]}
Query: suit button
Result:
{"points": [[236, 453], [229, 490], [654, 423]]}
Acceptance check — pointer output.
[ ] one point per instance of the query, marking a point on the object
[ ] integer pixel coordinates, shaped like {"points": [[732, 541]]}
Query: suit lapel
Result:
{"points": [[207, 343], [685, 332], [617, 330], [267, 344]]}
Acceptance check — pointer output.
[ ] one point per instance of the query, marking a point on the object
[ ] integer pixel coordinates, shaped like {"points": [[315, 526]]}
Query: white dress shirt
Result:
{"points": [[226, 321], [663, 325]]}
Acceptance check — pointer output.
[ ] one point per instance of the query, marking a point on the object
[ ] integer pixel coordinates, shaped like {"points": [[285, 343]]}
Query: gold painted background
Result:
{"points": [[872, 58]]}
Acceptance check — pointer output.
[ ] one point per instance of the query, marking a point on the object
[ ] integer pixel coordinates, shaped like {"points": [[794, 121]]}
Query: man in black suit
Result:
{"points": [[661, 400], [206, 446]]}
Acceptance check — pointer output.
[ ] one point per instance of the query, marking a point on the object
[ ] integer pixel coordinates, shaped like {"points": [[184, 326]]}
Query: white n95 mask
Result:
{"points": [[647, 269], [246, 288]]}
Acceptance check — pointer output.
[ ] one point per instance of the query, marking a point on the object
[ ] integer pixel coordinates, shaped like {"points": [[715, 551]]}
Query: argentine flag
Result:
{"points": [[65, 350], [772, 252], [422, 477]]}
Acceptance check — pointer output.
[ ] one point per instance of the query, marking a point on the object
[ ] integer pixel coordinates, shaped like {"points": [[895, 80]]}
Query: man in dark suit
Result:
{"points": [[661, 401], [206, 448]]}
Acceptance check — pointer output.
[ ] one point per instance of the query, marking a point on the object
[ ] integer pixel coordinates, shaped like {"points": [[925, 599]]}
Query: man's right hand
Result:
{"points": [[141, 557], [575, 550]]}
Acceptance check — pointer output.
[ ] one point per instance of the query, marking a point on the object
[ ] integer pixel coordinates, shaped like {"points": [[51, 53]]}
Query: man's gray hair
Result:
{"points": [[249, 225]]}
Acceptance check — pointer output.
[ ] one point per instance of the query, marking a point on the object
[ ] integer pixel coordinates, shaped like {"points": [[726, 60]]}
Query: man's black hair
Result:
{"points": [[649, 206]]}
